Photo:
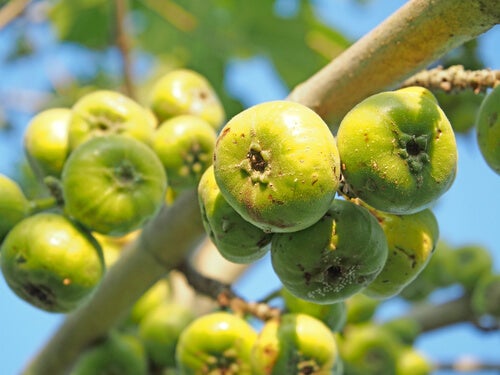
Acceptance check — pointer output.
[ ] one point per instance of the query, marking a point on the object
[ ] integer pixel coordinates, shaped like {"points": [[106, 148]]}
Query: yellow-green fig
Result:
{"points": [[105, 112], [413, 362], [277, 165], [295, 344], [488, 129], [13, 205], [398, 150], [411, 240], [186, 92], [360, 308], [236, 239], [46, 143], [51, 262], [185, 145], [333, 259], [469, 263]]}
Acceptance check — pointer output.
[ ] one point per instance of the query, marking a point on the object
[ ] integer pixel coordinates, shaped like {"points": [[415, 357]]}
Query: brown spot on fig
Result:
{"points": [[43, 295]]}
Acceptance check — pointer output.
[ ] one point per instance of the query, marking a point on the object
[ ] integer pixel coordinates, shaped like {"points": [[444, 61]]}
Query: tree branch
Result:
{"points": [[122, 41], [11, 11], [413, 37]]}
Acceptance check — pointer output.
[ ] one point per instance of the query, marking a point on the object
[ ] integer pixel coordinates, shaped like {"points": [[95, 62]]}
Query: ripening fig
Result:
{"points": [[439, 270], [485, 298], [105, 112], [277, 165], [119, 353], [160, 330], [186, 92], [13, 205], [411, 240], [398, 150], [46, 141], [216, 343], [488, 129], [155, 296], [333, 259], [295, 344], [412, 362], [185, 145], [113, 184], [469, 263], [236, 239], [333, 315], [51, 262]]}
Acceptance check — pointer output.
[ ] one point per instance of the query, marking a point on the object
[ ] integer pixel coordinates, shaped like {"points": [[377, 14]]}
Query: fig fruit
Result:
{"points": [[360, 308], [113, 184], [398, 150], [160, 330], [469, 263], [185, 146], [485, 298], [51, 262], [216, 343], [412, 362], [333, 259], [45, 141], [13, 205], [155, 296], [295, 344], [411, 240], [488, 129], [105, 112], [186, 92], [277, 165], [236, 239]]}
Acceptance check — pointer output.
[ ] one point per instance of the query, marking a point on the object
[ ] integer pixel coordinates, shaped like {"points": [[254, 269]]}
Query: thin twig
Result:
{"points": [[122, 42], [455, 78], [11, 11], [468, 364]]}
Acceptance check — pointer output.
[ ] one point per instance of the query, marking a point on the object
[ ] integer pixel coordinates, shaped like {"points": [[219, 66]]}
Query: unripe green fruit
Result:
{"points": [[486, 296], [50, 262], [216, 343], [277, 165], [13, 205], [469, 263], [160, 330], [439, 270], [185, 146], [155, 296], [46, 141], [398, 150], [333, 315], [106, 112], [412, 362], [185, 92], [418, 289], [360, 308], [488, 129], [118, 354], [333, 259], [295, 344], [405, 329], [236, 239], [369, 349], [113, 184], [411, 240]]}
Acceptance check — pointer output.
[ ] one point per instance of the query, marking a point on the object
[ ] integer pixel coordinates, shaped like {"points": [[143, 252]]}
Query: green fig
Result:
{"points": [[488, 129], [159, 294], [469, 263], [333, 259], [360, 308], [485, 298], [13, 205], [277, 165], [236, 239]]}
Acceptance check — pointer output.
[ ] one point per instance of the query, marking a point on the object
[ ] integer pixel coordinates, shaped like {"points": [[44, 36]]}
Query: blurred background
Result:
{"points": [[53, 52]]}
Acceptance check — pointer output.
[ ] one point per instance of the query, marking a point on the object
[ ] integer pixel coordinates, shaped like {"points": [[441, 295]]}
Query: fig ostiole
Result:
{"points": [[113, 184], [398, 150], [236, 239], [411, 240], [51, 262], [333, 259], [277, 165]]}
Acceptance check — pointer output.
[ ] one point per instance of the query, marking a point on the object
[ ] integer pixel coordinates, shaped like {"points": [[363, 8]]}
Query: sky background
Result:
{"points": [[467, 213]]}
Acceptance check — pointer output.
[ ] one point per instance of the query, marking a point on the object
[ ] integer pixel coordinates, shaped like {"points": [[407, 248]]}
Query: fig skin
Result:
{"points": [[295, 344], [398, 150], [333, 259], [13, 205], [186, 92], [277, 165], [236, 239], [105, 112], [113, 184], [488, 129], [51, 262], [411, 240], [220, 342], [45, 141], [185, 146]]}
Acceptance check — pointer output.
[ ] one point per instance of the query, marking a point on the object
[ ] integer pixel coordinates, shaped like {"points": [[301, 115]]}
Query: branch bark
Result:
{"points": [[413, 37]]}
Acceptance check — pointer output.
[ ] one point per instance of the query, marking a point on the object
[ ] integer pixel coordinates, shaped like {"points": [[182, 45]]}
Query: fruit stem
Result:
{"points": [[42, 204]]}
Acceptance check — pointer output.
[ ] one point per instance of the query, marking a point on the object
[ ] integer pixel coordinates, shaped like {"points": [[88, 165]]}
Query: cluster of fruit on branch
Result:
{"points": [[344, 216]]}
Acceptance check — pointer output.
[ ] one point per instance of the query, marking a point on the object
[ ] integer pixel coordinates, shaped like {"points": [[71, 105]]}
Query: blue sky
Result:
{"points": [[467, 213]]}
